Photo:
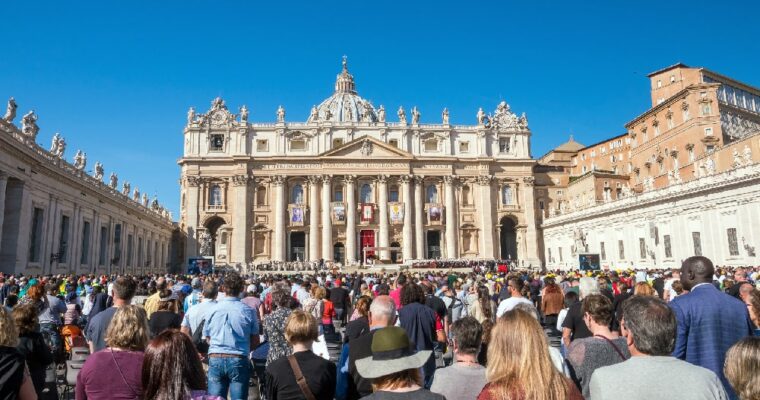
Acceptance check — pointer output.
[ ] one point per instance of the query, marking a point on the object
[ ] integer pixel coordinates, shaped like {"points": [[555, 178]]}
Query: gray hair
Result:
{"points": [[652, 324], [588, 286], [383, 307], [528, 308]]}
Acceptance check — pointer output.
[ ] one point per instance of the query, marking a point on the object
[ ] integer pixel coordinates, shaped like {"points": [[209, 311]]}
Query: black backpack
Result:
{"points": [[198, 339]]}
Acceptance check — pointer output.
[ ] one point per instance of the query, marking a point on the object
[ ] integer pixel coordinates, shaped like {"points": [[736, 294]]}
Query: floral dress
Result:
{"points": [[274, 330]]}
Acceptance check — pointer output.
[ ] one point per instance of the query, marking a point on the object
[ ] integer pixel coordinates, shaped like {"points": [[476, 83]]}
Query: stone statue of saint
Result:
{"points": [[154, 204], [113, 181], [125, 188], [204, 242], [191, 115], [445, 116], [243, 113], [747, 155], [98, 171], [737, 158], [280, 114], [314, 116], [61, 148], [401, 115], [415, 116], [145, 200], [29, 125], [671, 178], [80, 160], [54, 143], [10, 111], [710, 166], [481, 116], [381, 113]]}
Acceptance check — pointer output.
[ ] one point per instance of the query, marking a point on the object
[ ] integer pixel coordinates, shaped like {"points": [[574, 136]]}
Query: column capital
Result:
{"points": [[382, 179], [193, 181], [485, 180], [313, 179], [349, 179], [529, 181], [277, 180], [419, 179], [405, 179], [450, 179], [240, 180], [327, 179]]}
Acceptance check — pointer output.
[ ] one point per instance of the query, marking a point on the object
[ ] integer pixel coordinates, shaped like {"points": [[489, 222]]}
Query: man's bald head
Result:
{"points": [[696, 270]]}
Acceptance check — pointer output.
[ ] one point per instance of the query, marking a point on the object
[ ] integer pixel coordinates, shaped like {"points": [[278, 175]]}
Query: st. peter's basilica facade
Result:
{"points": [[349, 183]]}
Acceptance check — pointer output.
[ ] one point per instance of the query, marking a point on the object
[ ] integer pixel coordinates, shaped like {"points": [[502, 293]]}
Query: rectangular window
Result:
{"points": [[338, 194], [431, 145], [464, 147], [549, 254], [733, 244], [262, 145], [708, 131], [85, 257], [216, 143], [503, 145], [697, 239], [668, 249], [63, 240], [337, 143], [139, 252], [559, 250], [117, 244], [129, 250], [298, 144], [103, 246], [393, 142], [602, 252], [35, 244], [621, 250], [642, 249], [148, 244]]}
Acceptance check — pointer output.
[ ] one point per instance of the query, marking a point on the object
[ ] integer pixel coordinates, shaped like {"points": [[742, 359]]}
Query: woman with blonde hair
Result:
{"points": [[643, 289], [115, 372], [741, 367], [15, 381], [519, 364]]}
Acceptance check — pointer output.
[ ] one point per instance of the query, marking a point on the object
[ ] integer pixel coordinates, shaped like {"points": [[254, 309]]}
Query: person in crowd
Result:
{"points": [[282, 375], [753, 307], [359, 325], [573, 326], [114, 372], [172, 370], [740, 279], [232, 330], [73, 313], [32, 345], [465, 378], [328, 313], [515, 286], [709, 322], [454, 305], [519, 362], [569, 299], [396, 292], [741, 368], [617, 305], [600, 350], [314, 304], [419, 322], [554, 354], [151, 303], [197, 314], [643, 289], [15, 380], [649, 328], [394, 366], [195, 296], [123, 291], [339, 296], [95, 302], [487, 329], [167, 315], [253, 300], [482, 307], [552, 302], [382, 313], [274, 325]]}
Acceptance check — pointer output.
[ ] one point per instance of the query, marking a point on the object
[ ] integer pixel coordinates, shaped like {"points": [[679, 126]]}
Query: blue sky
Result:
{"points": [[116, 78]]}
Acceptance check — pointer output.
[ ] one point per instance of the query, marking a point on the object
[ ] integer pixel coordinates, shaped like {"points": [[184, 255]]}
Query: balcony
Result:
{"points": [[216, 208]]}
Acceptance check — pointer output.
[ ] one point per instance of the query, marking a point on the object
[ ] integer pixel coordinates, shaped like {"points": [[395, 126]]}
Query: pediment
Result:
{"points": [[367, 148]]}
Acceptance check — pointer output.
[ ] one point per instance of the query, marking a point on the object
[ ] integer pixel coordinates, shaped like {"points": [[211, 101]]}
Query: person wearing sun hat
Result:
{"points": [[394, 367]]}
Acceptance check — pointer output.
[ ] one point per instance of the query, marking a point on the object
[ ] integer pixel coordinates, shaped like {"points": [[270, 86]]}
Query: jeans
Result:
{"points": [[230, 374]]}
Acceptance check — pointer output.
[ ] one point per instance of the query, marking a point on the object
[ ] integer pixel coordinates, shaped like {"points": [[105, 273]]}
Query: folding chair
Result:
{"points": [[72, 370]]}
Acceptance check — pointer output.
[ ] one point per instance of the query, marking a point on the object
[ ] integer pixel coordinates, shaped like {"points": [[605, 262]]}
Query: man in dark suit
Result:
{"points": [[709, 321], [382, 313]]}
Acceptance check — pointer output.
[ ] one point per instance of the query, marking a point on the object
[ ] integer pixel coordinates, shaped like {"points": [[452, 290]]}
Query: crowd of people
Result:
{"points": [[690, 333]]}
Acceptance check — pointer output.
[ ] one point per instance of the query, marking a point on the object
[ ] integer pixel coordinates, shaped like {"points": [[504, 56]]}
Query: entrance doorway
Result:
{"points": [[508, 239], [297, 246], [394, 253], [339, 252], [433, 244], [367, 238], [212, 227]]}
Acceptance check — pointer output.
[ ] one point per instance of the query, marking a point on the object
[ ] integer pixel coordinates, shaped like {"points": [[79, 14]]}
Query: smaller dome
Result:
{"points": [[571, 145], [345, 105]]}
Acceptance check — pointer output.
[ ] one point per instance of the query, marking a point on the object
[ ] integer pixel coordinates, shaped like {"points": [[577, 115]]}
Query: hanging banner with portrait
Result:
{"points": [[396, 213], [435, 212], [338, 213], [367, 211], [296, 215]]}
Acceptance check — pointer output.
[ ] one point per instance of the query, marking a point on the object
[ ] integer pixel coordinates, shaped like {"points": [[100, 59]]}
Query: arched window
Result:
{"points": [[215, 195], [466, 200], [338, 193], [506, 195], [296, 196], [366, 193], [432, 194], [393, 194], [261, 196]]}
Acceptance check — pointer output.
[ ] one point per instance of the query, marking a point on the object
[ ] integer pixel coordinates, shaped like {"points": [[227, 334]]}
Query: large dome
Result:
{"points": [[345, 105]]}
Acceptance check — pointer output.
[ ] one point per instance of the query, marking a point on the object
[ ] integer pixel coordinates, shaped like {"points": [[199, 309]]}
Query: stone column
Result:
{"points": [[313, 218], [419, 216], [278, 182], [452, 244], [326, 221], [192, 184], [531, 236], [486, 216], [406, 192], [240, 239], [382, 200], [3, 186], [350, 219]]}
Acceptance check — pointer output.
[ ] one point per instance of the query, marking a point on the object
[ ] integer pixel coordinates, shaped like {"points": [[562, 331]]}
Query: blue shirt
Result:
{"points": [[193, 299], [230, 326], [197, 314]]}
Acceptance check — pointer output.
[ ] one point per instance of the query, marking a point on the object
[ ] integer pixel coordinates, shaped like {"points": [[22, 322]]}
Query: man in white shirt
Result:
{"points": [[515, 286]]}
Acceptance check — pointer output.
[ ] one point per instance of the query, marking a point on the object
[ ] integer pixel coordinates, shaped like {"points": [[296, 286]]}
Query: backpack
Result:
{"points": [[198, 340]]}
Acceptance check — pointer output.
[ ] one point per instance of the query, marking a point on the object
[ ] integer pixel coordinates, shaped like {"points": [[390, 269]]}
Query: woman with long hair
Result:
{"points": [[519, 364], [172, 369], [15, 381], [115, 372], [32, 344], [643, 289], [483, 308], [552, 301], [741, 366]]}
